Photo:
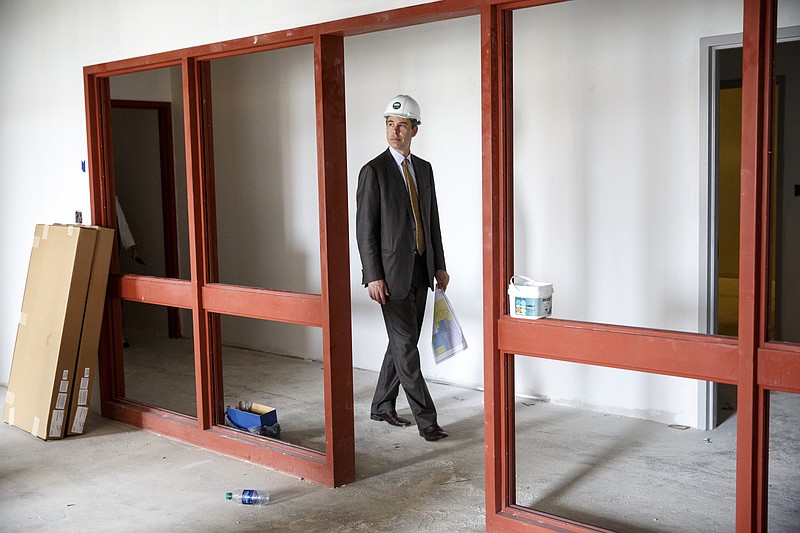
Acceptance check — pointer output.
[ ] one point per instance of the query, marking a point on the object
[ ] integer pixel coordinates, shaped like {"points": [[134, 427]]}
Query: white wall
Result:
{"points": [[266, 176], [138, 186], [593, 159], [607, 141], [44, 47]]}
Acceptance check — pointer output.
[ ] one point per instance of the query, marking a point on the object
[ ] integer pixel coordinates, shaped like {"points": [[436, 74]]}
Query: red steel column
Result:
{"points": [[337, 342], [196, 146], [752, 431], [497, 249]]}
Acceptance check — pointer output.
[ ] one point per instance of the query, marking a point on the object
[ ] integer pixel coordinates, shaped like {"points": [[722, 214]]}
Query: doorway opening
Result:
{"points": [[725, 114], [146, 199]]}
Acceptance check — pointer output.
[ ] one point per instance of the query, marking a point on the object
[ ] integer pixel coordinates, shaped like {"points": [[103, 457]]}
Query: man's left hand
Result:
{"points": [[442, 279], [137, 255]]}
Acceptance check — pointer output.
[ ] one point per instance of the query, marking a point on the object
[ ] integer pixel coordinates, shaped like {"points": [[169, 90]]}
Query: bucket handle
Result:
{"points": [[525, 278]]}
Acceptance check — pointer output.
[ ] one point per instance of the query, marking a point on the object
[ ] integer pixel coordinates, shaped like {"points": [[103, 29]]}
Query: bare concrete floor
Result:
{"points": [[614, 472]]}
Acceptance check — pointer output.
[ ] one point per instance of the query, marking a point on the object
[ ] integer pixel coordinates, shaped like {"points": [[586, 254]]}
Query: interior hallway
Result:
{"points": [[620, 473]]}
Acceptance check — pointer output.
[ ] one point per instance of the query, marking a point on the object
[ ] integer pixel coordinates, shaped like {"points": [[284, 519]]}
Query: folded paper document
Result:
{"points": [[448, 338]]}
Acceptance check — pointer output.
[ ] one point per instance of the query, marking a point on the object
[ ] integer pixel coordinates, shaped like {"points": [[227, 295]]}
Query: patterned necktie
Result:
{"points": [[412, 192]]}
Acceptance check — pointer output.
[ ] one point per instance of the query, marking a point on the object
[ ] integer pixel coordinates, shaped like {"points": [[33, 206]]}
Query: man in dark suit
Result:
{"points": [[400, 243]]}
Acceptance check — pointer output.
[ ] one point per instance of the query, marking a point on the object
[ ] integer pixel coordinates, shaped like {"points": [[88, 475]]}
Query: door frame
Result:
{"points": [[749, 361], [708, 406], [168, 196], [330, 310], [707, 391]]}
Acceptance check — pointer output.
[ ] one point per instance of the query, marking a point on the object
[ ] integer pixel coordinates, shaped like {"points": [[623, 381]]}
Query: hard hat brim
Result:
{"points": [[387, 115]]}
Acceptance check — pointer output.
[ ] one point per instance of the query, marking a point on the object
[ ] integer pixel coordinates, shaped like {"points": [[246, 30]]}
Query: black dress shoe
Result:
{"points": [[432, 433], [392, 418]]}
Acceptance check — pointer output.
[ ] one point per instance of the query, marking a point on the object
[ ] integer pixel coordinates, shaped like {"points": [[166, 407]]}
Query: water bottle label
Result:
{"points": [[249, 497]]}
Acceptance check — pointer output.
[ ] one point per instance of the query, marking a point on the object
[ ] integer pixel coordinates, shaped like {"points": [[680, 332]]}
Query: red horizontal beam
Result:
{"points": [[779, 368], [373, 22], [660, 352], [403, 17], [513, 519], [289, 307], [159, 291], [293, 460]]}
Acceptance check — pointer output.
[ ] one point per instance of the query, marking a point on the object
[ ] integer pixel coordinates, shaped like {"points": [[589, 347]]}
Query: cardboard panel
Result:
{"points": [[90, 334], [49, 330]]}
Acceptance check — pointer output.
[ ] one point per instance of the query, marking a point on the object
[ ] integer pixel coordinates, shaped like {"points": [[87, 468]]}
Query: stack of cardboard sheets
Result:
{"points": [[55, 354]]}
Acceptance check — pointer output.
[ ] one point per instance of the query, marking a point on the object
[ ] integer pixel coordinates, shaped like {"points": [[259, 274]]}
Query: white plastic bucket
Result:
{"points": [[529, 299]]}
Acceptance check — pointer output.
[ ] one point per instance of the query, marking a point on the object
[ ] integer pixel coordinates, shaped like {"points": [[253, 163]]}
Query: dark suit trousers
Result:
{"points": [[403, 320]]}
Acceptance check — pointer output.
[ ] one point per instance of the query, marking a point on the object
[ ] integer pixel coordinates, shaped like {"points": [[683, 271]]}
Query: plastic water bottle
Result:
{"points": [[249, 496]]}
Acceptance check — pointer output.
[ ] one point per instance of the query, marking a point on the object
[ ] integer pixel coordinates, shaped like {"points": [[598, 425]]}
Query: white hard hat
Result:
{"points": [[404, 106]]}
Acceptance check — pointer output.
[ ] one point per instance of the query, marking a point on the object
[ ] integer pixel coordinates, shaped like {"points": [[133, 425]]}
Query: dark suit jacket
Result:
{"points": [[385, 224]]}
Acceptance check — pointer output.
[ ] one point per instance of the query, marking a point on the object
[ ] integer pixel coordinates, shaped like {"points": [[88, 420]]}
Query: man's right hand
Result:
{"points": [[378, 291]]}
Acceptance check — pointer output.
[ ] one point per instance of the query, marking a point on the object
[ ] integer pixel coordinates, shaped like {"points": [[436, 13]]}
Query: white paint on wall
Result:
{"points": [[267, 187], [439, 65], [624, 153], [45, 46]]}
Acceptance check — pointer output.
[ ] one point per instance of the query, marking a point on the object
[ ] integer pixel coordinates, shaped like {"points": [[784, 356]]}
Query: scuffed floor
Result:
{"points": [[614, 472]]}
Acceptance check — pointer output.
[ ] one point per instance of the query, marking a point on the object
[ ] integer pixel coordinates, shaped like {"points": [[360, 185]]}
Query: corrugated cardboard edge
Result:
{"points": [[86, 365], [56, 426]]}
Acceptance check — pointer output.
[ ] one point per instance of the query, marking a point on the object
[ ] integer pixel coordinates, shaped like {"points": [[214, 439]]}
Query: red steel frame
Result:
{"points": [[753, 364], [208, 299]]}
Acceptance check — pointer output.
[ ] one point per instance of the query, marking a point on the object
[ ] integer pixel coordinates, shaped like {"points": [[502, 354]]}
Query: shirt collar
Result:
{"points": [[398, 157]]}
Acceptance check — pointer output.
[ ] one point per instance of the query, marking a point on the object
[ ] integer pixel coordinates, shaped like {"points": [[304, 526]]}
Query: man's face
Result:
{"points": [[399, 132]]}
